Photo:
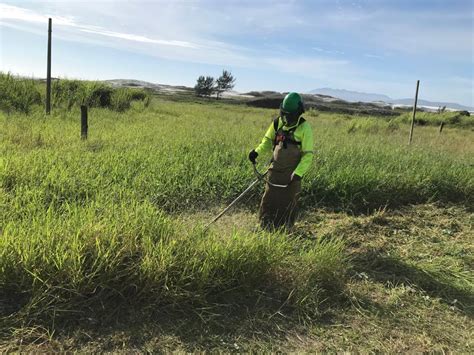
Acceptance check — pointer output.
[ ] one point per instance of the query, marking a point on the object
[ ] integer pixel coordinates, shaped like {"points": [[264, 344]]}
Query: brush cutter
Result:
{"points": [[260, 176]]}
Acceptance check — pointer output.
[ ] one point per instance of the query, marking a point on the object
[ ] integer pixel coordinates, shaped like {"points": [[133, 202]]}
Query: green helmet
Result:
{"points": [[293, 104]]}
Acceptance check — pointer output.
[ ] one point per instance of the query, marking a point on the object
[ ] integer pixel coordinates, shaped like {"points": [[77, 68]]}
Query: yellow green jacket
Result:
{"points": [[303, 134]]}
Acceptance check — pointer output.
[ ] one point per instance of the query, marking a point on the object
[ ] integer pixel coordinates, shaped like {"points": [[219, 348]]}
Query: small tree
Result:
{"points": [[199, 87], [224, 83], [204, 86], [441, 109]]}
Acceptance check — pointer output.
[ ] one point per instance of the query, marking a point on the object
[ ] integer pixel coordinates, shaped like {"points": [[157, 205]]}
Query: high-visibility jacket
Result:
{"points": [[302, 134]]}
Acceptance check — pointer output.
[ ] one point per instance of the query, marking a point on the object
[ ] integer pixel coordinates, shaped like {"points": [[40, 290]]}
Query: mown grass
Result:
{"points": [[90, 229]]}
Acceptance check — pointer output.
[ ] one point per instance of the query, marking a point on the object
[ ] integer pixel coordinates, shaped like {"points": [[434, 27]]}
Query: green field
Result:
{"points": [[102, 244]]}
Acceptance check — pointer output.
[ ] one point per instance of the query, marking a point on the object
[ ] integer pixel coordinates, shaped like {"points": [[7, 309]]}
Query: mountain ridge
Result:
{"points": [[356, 96]]}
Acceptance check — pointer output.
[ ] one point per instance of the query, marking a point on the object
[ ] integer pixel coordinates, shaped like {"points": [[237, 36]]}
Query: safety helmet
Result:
{"points": [[292, 106]]}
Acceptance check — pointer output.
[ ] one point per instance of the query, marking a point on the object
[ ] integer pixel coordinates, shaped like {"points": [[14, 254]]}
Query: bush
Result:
{"points": [[69, 93], [99, 95], [17, 94], [65, 93], [121, 99]]}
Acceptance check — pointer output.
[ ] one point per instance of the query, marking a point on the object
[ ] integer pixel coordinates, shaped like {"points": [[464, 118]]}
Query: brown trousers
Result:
{"points": [[278, 207]]}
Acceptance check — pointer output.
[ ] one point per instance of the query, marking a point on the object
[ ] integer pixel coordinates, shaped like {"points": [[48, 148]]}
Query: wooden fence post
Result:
{"points": [[441, 127], [48, 70], [414, 112], [84, 125]]}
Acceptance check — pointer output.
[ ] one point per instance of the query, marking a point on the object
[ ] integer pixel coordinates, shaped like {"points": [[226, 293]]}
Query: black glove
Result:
{"points": [[295, 177], [252, 156]]}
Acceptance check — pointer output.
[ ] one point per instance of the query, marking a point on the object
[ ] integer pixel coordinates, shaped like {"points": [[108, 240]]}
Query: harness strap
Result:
{"points": [[285, 133]]}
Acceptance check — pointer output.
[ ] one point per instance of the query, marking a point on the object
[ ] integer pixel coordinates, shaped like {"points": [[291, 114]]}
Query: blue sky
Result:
{"points": [[371, 46]]}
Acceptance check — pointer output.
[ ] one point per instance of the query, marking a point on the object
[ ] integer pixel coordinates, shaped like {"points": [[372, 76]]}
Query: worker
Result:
{"points": [[291, 138]]}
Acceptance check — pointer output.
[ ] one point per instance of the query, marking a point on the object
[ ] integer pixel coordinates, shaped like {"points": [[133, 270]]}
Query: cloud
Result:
{"points": [[8, 12], [384, 25], [375, 56], [318, 49], [137, 38], [197, 50], [325, 40]]}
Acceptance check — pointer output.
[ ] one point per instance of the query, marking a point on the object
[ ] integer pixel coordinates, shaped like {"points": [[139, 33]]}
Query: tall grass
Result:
{"points": [[22, 95], [461, 119], [184, 156], [109, 254], [87, 226], [17, 94], [69, 93]]}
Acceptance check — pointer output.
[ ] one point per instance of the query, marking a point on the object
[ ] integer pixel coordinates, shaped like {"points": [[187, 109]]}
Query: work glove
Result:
{"points": [[252, 156], [295, 177]]}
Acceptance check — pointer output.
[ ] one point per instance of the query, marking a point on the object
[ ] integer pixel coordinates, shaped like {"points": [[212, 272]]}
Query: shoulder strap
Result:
{"points": [[300, 122], [276, 123]]}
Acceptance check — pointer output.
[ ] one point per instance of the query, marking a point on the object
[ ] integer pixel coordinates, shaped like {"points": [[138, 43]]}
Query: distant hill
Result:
{"points": [[421, 102], [146, 85], [323, 99], [351, 96], [354, 96]]}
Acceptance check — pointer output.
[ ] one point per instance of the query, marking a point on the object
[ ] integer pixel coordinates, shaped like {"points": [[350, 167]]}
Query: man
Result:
{"points": [[291, 138]]}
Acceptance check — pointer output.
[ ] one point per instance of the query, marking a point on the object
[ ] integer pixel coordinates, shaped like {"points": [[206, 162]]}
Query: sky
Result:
{"points": [[375, 46]]}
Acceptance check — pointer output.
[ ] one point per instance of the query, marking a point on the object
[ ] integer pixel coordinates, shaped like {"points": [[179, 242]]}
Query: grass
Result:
{"points": [[388, 302], [357, 171], [460, 119], [18, 94], [102, 239], [26, 95]]}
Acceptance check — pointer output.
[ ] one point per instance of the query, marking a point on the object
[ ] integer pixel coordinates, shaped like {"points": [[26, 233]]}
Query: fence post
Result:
{"points": [[441, 127], [48, 70], [84, 125], [414, 112]]}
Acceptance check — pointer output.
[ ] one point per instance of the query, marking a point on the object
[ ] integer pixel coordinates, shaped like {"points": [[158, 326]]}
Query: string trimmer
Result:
{"points": [[260, 176]]}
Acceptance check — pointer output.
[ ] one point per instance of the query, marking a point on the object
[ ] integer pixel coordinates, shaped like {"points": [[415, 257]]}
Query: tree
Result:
{"points": [[204, 86], [224, 83]]}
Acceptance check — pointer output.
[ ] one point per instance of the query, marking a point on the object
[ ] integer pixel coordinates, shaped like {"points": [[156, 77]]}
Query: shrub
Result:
{"points": [[65, 93], [18, 94], [99, 94], [120, 100]]}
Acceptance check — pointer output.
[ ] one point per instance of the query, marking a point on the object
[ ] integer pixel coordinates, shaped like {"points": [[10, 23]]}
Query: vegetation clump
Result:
{"points": [[18, 94], [22, 95]]}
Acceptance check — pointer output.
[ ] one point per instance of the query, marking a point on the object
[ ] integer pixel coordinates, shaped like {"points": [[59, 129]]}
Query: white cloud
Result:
{"points": [[318, 49], [375, 56], [137, 38], [8, 12]]}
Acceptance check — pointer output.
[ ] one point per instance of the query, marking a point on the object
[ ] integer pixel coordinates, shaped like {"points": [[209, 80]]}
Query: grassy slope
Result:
{"points": [[409, 285]]}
